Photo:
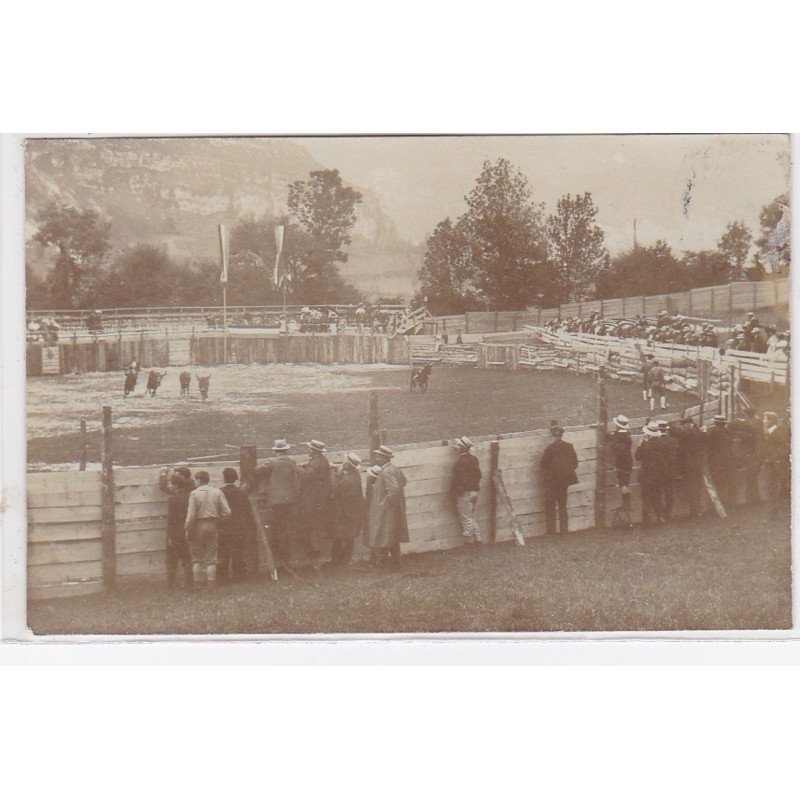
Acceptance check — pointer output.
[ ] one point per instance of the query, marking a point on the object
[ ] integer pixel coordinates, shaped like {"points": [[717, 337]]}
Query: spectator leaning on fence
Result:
{"points": [[235, 530], [620, 443], [281, 479], [464, 489], [347, 503], [559, 464], [179, 489], [650, 474], [388, 525], [207, 505]]}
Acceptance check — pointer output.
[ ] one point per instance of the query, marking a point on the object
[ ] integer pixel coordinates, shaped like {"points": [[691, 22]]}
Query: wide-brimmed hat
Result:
{"points": [[464, 442], [374, 471], [663, 425], [281, 444], [384, 451], [621, 421], [651, 429], [353, 458], [317, 445], [720, 418]]}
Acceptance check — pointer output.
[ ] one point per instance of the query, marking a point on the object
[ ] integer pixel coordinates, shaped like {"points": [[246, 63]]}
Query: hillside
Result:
{"points": [[174, 192]]}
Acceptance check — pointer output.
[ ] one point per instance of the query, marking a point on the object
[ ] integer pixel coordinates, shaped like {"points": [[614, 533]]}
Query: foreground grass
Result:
{"points": [[715, 574]]}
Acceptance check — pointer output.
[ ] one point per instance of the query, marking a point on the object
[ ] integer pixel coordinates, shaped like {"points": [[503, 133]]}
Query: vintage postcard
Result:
{"points": [[408, 385]]}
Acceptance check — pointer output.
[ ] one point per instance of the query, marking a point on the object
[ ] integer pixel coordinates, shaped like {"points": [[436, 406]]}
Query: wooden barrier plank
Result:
{"points": [[64, 531], [89, 497], [78, 513], [42, 483], [141, 564], [143, 541], [68, 552], [58, 590], [42, 574]]}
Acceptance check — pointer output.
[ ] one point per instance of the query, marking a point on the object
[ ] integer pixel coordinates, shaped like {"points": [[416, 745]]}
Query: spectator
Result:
{"points": [[235, 530], [348, 511], [559, 464], [464, 490], [388, 526], [207, 506]]}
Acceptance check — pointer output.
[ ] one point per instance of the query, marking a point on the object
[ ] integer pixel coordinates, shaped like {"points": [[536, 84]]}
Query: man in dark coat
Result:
{"points": [[177, 547], [234, 530], [388, 524], [464, 490], [620, 444], [559, 464], [314, 502], [650, 474], [347, 500], [777, 450], [719, 447], [748, 447], [691, 447], [668, 446], [281, 477]]}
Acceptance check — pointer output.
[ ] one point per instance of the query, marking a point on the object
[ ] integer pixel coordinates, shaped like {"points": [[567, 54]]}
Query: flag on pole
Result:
{"points": [[223, 248], [277, 274]]}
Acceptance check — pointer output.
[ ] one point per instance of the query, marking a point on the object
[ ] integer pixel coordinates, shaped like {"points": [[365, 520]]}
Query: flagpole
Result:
{"points": [[225, 323]]}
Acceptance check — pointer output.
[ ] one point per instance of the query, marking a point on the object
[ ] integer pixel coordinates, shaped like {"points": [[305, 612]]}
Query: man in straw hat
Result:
{"points": [[348, 511], [464, 489], [282, 480], [388, 525], [668, 447], [719, 448], [650, 474], [314, 504], [559, 464], [620, 443]]}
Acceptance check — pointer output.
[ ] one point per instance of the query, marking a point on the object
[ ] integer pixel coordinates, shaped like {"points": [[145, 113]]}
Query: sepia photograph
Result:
{"points": [[507, 384]]}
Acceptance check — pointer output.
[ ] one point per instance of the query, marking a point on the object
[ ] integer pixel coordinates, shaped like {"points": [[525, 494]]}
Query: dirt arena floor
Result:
{"points": [[259, 403], [732, 574]]}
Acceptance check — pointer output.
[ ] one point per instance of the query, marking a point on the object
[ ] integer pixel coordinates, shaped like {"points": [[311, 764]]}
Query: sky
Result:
{"points": [[680, 188]]}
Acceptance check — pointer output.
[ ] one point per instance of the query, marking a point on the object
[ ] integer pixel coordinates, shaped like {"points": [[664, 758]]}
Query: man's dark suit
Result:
{"points": [[559, 462]]}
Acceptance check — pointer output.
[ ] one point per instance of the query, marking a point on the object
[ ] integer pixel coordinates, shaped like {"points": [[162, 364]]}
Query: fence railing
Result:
{"points": [[707, 302]]}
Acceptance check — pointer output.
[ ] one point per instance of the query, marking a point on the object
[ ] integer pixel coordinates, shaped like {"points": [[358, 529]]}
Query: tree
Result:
{"points": [[735, 246], [36, 295], [322, 209], [773, 244], [82, 241], [642, 271], [576, 247], [706, 268], [445, 276], [504, 227], [145, 275]]}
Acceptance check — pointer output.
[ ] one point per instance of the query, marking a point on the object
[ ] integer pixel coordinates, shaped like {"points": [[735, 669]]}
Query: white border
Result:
{"points": [[546, 647]]}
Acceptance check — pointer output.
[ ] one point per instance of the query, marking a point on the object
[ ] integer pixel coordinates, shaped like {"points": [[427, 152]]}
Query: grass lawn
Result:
{"points": [[689, 575]]}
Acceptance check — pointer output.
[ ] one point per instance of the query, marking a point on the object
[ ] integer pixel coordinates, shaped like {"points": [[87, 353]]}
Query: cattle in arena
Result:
{"points": [[185, 379], [154, 381], [419, 378], [130, 381], [202, 383]]}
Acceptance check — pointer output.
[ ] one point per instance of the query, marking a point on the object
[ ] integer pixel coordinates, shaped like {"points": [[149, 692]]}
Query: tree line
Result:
{"points": [[506, 252], [87, 272]]}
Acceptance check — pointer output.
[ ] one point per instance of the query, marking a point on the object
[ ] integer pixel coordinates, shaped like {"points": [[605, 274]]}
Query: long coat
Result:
{"points": [[314, 502], [387, 511], [559, 465], [348, 505]]}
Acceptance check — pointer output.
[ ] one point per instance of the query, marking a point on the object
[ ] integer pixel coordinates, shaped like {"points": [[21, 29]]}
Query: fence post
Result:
{"points": [[600, 468], [107, 499], [374, 429], [732, 403], [494, 462], [248, 461], [83, 445]]}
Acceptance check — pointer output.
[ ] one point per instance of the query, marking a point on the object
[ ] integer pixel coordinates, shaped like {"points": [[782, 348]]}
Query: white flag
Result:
{"points": [[223, 248], [277, 275]]}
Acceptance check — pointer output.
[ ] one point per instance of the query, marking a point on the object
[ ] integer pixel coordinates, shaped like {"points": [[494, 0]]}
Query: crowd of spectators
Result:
{"points": [[43, 330], [678, 329], [321, 319]]}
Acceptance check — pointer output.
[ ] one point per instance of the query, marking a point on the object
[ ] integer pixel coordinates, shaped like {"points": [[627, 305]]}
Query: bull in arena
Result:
{"points": [[185, 379], [130, 381], [419, 378], [154, 381], [202, 383]]}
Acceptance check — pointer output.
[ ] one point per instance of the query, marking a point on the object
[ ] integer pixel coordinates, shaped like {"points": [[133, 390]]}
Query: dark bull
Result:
{"points": [[185, 379], [202, 383], [154, 381]]}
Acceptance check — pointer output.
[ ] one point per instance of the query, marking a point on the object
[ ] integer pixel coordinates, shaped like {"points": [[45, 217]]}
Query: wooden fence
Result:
{"points": [[717, 302], [90, 530], [109, 354]]}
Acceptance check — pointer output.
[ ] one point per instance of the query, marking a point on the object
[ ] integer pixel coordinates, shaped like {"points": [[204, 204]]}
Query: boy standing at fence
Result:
{"points": [[464, 490], [177, 547], [621, 445], [648, 453], [207, 506]]}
